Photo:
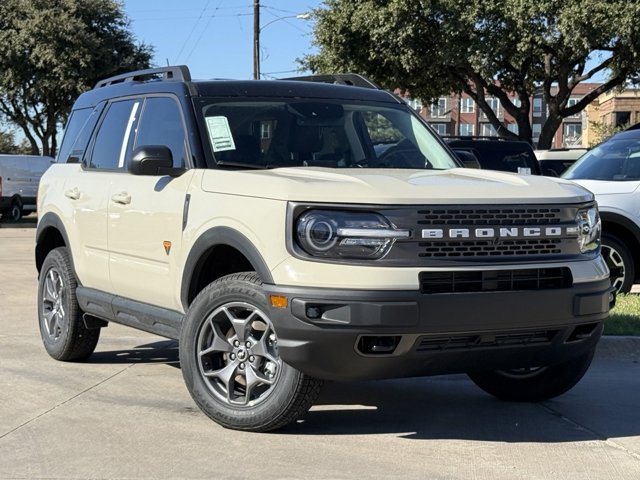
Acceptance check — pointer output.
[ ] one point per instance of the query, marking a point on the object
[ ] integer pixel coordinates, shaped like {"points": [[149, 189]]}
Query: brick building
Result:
{"points": [[459, 115], [614, 109]]}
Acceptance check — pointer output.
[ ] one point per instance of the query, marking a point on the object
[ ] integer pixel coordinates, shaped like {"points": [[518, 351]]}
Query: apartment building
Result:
{"points": [[459, 115]]}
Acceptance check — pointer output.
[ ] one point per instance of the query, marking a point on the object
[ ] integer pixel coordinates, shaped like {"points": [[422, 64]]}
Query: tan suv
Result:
{"points": [[290, 232]]}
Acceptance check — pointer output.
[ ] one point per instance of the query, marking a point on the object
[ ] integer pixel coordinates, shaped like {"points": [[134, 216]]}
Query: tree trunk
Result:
{"points": [[549, 129]]}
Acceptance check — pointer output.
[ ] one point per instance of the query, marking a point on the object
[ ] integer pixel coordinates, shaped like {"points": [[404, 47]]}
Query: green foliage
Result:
{"points": [[434, 47], [602, 131], [53, 50], [8, 144], [625, 316]]}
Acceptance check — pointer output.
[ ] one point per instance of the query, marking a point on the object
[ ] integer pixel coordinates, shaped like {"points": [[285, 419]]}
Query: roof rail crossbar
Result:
{"points": [[179, 73], [338, 78]]}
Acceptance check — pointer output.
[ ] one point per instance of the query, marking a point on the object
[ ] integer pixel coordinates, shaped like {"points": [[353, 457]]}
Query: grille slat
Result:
{"points": [[489, 217], [491, 340], [495, 280], [477, 248]]}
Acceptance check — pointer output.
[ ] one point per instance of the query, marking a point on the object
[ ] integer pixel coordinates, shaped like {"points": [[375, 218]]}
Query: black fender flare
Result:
{"points": [[221, 236], [51, 220]]}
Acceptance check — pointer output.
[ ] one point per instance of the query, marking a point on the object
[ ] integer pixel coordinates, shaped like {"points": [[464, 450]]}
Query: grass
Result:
{"points": [[625, 316]]}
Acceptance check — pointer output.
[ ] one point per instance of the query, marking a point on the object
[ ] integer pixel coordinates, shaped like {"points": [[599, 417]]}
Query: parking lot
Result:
{"points": [[125, 413]]}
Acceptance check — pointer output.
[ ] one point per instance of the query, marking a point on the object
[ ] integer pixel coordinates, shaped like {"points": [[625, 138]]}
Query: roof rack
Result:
{"points": [[352, 79], [178, 73]]}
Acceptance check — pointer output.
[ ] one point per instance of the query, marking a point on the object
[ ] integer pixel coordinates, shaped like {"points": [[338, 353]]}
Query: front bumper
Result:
{"points": [[356, 334]]}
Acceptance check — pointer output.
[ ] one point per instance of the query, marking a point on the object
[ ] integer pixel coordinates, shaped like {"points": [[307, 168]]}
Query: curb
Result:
{"points": [[619, 347]]}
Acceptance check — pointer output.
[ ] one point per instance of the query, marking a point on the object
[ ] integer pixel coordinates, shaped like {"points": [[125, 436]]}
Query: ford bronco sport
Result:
{"points": [[261, 225]]}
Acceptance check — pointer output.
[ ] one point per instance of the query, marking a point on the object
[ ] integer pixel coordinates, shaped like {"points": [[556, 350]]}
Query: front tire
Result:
{"points": [[534, 384], [63, 332], [620, 262], [230, 362]]}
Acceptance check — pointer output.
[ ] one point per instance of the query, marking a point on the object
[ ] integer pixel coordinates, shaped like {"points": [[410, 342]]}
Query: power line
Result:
{"points": [[203, 31], [192, 30]]}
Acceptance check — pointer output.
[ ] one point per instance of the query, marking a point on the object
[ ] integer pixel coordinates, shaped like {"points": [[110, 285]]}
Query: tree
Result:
{"points": [[479, 47], [53, 50]]}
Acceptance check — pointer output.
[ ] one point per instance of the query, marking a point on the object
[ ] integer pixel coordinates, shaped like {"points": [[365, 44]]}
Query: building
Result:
{"points": [[612, 110], [459, 115]]}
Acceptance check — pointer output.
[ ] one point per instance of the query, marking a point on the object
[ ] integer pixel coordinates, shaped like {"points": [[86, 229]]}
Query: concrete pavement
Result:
{"points": [[126, 414]]}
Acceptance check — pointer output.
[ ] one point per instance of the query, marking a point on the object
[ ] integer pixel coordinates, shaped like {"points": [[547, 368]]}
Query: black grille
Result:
{"points": [[484, 248], [495, 280], [484, 340], [489, 216]]}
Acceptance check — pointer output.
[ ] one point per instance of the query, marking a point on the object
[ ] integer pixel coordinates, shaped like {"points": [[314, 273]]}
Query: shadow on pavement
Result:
{"points": [[29, 221], [165, 351]]}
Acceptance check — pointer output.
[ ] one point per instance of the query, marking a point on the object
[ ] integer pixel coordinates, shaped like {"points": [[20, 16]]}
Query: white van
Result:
{"points": [[19, 178]]}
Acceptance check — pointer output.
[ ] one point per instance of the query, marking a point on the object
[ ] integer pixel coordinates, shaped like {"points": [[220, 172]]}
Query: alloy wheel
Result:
{"points": [[237, 354]]}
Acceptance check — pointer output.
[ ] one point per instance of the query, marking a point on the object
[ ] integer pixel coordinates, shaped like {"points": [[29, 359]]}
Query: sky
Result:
{"points": [[214, 38]]}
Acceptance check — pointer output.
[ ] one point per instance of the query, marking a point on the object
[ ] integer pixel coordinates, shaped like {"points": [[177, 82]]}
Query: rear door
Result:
{"points": [[146, 212]]}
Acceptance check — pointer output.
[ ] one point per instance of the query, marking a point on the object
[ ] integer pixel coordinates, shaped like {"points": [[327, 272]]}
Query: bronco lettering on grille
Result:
{"points": [[504, 232]]}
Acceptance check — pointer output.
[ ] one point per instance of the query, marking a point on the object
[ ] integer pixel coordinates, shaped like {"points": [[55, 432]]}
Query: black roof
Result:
{"points": [[136, 84]]}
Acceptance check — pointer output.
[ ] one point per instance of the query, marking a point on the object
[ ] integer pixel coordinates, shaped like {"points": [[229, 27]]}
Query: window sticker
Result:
{"points": [[220, 134]]}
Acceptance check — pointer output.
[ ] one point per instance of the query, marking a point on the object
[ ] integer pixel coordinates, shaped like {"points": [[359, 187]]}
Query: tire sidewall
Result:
{"points": [[15, 212], [212, 297], [57, 348], [616, 244]]}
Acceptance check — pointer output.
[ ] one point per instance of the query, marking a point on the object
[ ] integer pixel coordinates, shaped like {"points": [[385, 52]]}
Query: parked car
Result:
{"points": [[19, 178], [497, 153], [612, 172], [554, 162], [263, 226]]}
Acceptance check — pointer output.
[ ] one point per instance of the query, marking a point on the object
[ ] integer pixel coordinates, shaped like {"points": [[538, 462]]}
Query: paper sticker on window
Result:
{"points": [[220, 134]]}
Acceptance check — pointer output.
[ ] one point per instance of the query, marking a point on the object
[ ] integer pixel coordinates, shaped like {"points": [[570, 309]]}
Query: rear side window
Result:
{"points": [[77, 120], [161, 124], [110, 146]]}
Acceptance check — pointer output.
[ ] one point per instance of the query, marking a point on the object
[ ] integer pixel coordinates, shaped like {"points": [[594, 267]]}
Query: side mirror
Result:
{"points": [[153, 160]]}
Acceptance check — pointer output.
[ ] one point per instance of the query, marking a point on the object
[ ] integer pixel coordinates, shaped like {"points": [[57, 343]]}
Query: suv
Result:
{"points": [[612, 172], [254, 222], [497, 153]]}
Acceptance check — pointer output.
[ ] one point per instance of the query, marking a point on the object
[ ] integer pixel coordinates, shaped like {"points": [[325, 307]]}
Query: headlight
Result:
{"points": [[589, 229], [335, 234]]}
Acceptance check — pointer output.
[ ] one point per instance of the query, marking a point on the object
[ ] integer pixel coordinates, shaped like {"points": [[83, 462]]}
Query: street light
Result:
{"points": [[257, 29]]}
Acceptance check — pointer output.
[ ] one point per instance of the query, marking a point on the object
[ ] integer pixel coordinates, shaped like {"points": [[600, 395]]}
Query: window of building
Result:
{"points": [[573, 134], [414, 103], [439, 108], [111, 142], [570, 103], [488, 130], [513, 128], [467, 129], [516, 101], [440, 128], [161, 124], [266, 130], [467, 105], [537, 107], [536, 129], [494, 104]]}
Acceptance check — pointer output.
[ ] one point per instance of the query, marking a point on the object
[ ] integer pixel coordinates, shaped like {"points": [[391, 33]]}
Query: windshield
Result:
{"points": [[319, 133], [617, 159]]}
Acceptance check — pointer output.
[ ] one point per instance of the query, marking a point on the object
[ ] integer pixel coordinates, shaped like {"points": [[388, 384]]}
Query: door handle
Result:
{"points": [[123, 198], [73, 194]]}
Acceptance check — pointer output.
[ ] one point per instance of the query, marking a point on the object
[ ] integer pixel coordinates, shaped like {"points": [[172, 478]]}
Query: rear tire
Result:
{"points": [[15, 212], [620, 262], [62, 329], [534, 384]]}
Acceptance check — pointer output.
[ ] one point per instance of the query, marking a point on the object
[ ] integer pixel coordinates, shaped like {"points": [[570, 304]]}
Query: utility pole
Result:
{"points": [[256, 39]]}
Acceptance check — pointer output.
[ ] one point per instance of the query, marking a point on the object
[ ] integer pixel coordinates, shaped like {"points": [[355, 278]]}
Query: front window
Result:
{"points": [[617, 159], [467, 129], [266, 133]]}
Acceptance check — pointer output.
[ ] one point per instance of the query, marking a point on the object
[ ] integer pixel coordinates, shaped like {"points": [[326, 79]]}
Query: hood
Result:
{"points": [[608, 187], [393, 186]]}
